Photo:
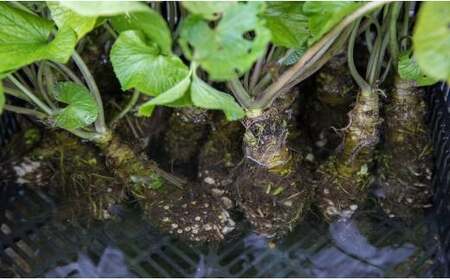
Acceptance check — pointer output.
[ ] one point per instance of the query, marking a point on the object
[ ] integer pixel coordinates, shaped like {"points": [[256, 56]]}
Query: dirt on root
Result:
{"points": [[405, 161], [220, 159], [273, 203], [340, 196], [272, 185], [190, 214]]}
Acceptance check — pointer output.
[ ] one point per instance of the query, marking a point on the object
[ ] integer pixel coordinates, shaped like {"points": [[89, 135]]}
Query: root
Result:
{"points": [[272, 187], [344, 179], [406, 161], [361, 136], [273, 203], [265, 138], [193, 212]]}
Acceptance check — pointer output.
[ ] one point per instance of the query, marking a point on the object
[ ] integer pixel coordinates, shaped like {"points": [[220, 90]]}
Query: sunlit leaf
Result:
{"points": [[2, 98], [324, 15]]}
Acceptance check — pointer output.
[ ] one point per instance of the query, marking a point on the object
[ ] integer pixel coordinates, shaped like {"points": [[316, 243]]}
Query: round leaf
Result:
{"points": [[81, 110], [141, 66], [324, 15], [287, 23]]}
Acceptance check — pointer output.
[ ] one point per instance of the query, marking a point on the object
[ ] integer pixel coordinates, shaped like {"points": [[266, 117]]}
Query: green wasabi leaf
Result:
{"points": [[166, 98], [287, 23], [63, 16], [24, 39], [205, 96], [2, 98], [324, 15], [431, 40], [228, 50], [408, 69], [81, 110], [140, 65], [151, 23], [210, 10], [104, 8]]}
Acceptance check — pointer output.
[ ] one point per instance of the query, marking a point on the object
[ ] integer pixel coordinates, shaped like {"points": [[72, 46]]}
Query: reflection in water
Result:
{"points": [[111, 264]]}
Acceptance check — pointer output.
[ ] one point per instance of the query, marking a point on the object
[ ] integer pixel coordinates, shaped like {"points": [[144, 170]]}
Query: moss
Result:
{"points": [[75, 173], [32, 136], [222, 152]]}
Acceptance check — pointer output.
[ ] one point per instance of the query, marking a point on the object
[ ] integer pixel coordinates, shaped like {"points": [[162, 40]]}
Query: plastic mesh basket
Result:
{"points": [[34, 244], [439, 120]]}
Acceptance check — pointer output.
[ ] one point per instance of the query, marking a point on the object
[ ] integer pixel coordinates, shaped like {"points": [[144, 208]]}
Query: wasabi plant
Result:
{"points": [[244, 59], [405, 175], [346, 176]]}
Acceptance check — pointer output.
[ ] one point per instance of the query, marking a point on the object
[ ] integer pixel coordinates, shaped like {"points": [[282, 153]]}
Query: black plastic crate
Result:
{"points": [[34, 244], [439, 120]]}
